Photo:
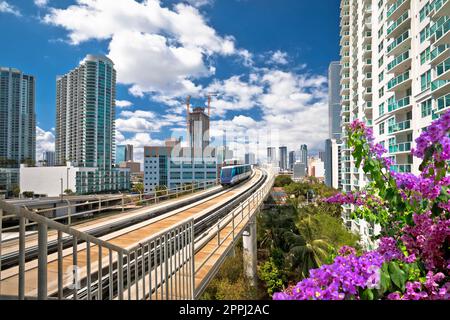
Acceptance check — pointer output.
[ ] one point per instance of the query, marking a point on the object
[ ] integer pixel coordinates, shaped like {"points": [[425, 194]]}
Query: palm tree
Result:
{"points": [[306, 251]]}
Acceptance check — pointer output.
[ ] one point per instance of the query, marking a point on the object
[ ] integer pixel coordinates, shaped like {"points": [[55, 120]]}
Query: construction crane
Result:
{"points": [[211, 94]]}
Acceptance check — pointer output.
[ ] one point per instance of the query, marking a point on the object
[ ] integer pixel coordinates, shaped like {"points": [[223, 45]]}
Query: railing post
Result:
{"points": [[166, 267], [69, 213], [192, 260], [123, 202], [218, 233], [42, 261], [99, 205], [232, 213], [1, 243], [21, 257]]}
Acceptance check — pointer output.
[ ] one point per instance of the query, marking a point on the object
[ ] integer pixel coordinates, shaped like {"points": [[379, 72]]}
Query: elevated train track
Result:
{"points": [[130, 242]]}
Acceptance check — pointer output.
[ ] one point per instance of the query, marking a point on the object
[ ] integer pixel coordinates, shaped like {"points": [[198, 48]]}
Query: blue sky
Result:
{"points": [[266, 59]]}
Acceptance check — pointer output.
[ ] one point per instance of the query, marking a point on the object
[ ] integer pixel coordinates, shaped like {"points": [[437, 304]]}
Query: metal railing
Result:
{"points": [[236, 221], [161, 266], [102, 204]]}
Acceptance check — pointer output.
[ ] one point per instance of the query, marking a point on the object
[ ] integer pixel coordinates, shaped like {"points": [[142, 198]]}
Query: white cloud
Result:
{"points": [[41, 3], [156, 49], [45, 141], [139, 140], [123, 103], [5, 7], [279, 57], [199, 3]]}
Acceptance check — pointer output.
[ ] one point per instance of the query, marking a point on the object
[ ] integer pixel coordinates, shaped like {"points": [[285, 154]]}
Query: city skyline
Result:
{"points": [[258, 83]]}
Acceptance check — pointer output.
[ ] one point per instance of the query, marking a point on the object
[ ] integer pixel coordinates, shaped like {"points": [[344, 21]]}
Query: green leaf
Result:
{"points": [[397, 275], [385, 282], [367, 295]]}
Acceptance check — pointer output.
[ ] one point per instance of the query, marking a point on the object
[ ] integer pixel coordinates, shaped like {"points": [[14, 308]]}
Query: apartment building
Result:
{"points": [[395, 75]]}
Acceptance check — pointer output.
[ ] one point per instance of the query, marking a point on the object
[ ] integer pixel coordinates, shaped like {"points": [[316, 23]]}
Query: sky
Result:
{"points": [[266, 61]]}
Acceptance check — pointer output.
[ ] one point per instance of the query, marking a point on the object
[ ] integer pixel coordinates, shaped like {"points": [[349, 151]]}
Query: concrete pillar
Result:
{"points": [[249, 252]]}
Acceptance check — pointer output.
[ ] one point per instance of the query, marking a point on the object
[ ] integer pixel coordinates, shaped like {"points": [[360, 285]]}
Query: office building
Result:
{"points": [[85, 125], [250, 158], [332, 144], [334, 100], [316, 168], [124, 153], [303, 155], [283, 163], [198, 129], [17, 126], [48, 158], [299, 171], [292, 159], [272, 156]]}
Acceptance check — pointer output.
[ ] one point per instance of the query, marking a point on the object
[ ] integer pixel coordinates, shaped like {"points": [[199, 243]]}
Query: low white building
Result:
{"points": [[52, 181]]}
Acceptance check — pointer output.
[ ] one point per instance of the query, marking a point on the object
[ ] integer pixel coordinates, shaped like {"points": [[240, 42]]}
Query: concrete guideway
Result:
{"points": [[113, 250]]}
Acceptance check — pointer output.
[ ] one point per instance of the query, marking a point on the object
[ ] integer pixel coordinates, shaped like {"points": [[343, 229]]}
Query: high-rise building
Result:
{"points": [[124, 153], [272, 156], [49, 158], [85, 114], [283, 158], [85, 124], [332, 144], [334, 100], [332, 162], [395, 74], [250, 158], [17, 126], [292, 159], [17, 117], [303, 155], [198, 128]]}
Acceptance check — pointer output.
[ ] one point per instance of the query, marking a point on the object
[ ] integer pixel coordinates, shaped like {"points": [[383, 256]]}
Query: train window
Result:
{"points": [[227, 173]]}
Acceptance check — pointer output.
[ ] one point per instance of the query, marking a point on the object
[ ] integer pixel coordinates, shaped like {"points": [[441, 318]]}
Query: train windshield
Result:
{"points": [[226, 172]]}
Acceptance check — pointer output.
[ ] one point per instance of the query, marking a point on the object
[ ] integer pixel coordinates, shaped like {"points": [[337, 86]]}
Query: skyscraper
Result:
{"points": [[272, 155], [292, 159], [17, 117], [85, 114], [334, 100], [198, 127], [283, 158], [85, 124], [395, 74], [332, 165], [303, 155], [17, 126], [124, 153], [49, 158]]}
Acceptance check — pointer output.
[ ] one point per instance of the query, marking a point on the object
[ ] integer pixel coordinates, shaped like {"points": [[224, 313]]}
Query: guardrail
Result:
{"points": [[159, 267], [127, 202]]}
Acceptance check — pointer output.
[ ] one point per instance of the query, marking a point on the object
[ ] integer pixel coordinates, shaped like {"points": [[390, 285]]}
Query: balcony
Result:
{"points": [[441, 9], [401, 168], [402, 82], [400, 105], [399, 25], [439, 88], [401, 148], [443, 70], [345, 110], [442, 34], [400, 44], [443, 103], [400, 63], [396, 10], [439, 54], [400, 127]]}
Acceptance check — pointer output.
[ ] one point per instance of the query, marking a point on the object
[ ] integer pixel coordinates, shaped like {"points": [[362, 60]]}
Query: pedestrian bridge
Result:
{"points": [[154, 248]]}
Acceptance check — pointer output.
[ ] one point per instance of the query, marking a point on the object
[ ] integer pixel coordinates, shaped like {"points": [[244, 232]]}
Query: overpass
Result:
{"points": [[169, 249]]}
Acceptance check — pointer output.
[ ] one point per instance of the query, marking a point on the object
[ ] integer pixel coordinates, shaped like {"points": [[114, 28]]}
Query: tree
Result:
{"points": [[28, 194], [308, 249], [16, 191], [138, 187], [68, 192], [282, 181]]}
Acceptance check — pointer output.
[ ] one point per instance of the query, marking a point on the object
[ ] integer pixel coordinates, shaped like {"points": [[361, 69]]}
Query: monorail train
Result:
{"points": [[231, 175]]}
